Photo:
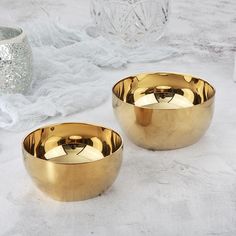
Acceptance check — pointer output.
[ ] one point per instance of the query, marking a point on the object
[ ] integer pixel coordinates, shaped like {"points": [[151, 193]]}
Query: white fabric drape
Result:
{"points": [[68, 73]]}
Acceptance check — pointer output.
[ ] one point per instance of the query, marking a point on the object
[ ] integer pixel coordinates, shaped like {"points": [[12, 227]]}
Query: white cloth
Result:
{"points": [[67, 73], [234, 75]]}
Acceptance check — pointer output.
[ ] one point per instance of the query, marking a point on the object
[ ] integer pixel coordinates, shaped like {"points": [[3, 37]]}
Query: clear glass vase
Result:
{"points": [[131, 22]]}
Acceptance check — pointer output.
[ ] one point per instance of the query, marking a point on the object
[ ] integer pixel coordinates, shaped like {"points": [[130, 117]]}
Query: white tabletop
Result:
{"points": [[189, 191]]}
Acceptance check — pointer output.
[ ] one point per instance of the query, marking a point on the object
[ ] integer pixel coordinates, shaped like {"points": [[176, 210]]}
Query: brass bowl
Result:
{"points": [[162, 110], [73, 161]]}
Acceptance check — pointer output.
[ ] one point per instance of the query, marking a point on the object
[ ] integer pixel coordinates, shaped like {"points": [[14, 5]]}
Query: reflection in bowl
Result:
{"points": [[73, 161], [163, 110]]}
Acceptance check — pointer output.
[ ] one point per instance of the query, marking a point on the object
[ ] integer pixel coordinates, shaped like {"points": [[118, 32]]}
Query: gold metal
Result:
{"points": [[73, 161], [162, 110]]}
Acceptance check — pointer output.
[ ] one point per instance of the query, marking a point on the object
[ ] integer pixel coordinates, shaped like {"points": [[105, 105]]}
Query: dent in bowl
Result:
{"points": [[163, 110], [73, 161]]}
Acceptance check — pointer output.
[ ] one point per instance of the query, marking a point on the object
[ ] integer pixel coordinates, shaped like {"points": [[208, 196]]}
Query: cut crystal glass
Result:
{"points": [[130, 22]]}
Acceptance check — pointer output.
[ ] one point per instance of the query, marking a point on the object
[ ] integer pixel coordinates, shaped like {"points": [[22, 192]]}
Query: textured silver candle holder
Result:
{"points": [[15, 61]]}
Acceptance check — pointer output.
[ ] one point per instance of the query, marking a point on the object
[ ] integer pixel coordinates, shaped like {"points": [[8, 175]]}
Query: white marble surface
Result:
{"points": [[190, 191]]}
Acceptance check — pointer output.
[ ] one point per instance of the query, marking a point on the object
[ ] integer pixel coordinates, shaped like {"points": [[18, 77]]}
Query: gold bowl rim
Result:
{"points": [[66, 123], [169, 73]]}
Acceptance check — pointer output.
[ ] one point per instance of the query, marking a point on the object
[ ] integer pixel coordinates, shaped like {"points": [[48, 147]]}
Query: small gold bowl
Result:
{"points": [[162, 110], [73, 161]]}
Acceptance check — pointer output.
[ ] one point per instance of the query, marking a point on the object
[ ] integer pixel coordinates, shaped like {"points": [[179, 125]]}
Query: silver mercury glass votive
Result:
{"points": [[15, 61]]}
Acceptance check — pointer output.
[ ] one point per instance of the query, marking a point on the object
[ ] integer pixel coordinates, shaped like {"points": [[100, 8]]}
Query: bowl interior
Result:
{"points": [[163, 90], [72, 143], [9, 33]]}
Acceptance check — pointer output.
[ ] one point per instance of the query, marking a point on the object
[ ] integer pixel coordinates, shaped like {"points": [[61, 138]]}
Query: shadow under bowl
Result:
{"points": [[73, 161], [162, 111]]}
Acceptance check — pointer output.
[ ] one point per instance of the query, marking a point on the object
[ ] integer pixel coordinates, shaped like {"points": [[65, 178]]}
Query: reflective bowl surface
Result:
{"points": [[163, 110], [73, 161]]}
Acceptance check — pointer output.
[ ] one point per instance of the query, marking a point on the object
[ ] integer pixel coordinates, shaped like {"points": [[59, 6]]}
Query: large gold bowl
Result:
{"points": [[73, 161], [162, 110]]}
